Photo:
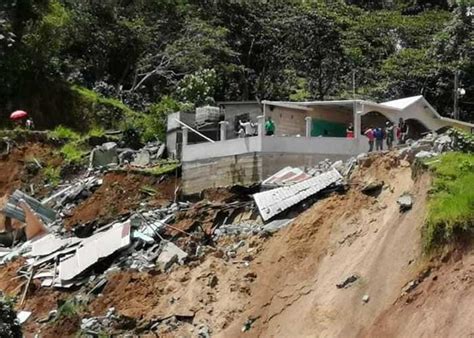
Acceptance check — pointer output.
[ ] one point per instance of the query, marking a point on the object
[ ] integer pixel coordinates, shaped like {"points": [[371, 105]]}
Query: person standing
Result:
{"points": [[350, 131], [379, 136], [403, 131], [248, 128], [369, 133], [30, 125], [389, 134], [269, 127]]}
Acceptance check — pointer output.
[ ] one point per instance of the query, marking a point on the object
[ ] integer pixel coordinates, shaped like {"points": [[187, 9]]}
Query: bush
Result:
{"points": [[9, 326], [451, 204]]}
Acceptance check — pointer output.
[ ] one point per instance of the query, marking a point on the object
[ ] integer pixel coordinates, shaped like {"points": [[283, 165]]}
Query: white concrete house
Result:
{"points": [[306, 133]]}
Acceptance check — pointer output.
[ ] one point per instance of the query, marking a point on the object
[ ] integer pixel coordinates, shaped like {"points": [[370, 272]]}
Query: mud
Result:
{"points": [[121, 193]]}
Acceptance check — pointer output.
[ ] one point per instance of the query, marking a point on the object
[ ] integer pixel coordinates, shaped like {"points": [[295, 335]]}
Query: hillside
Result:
{"points": [[350, 265]]}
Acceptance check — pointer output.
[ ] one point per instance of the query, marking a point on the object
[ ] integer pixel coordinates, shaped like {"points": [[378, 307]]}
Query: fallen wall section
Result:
{"points": [[272, 202]]}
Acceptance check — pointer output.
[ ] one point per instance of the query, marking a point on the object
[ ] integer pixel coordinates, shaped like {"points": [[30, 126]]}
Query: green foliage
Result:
{"points": [[462, 141], [53, 175], [9, 326], [136, 52], [451, 205], [198, 88], [63, 133], [96, 132], [72, 152], [153, 124], [69, 308]]}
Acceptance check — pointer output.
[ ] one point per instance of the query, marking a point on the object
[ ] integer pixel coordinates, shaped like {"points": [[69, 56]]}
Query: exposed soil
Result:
{"points": [[120, 193]]}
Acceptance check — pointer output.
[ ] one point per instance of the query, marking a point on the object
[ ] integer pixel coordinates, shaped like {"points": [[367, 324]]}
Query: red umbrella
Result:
{"points": [[18, 115]]}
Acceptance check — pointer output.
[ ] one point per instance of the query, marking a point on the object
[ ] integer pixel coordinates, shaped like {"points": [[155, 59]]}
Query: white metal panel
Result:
{"points": [[273, 202]]}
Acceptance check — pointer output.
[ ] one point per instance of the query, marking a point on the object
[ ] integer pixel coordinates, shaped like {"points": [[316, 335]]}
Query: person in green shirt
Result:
{"points": [[269, 127]]}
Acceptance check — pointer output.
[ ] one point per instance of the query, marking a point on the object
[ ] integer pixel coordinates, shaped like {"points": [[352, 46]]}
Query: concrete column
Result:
{"points": [[261, 123], [185, 136], [308, 120], [223, 129], [357, 124]]}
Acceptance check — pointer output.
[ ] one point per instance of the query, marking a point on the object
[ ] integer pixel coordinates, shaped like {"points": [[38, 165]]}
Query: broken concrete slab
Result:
{"points": [[142, 158], [169, 255], [104, 155], [405, 201], [23, 316], [93, 248], [275, 201]]}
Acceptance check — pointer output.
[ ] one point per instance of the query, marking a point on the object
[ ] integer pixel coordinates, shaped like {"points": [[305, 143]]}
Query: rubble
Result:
{"points": [[169, 255]]}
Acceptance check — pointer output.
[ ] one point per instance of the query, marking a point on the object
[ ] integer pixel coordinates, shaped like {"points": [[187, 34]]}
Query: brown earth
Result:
{"points": [[120, 193], [17, 171]]}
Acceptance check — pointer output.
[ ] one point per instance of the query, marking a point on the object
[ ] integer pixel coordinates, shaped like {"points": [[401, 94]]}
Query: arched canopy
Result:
{"points": [[374, 119]]}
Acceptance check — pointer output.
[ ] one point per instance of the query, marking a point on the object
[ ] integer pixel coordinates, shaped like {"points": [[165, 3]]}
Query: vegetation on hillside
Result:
{"points": [[451, 204], [86, 63]]}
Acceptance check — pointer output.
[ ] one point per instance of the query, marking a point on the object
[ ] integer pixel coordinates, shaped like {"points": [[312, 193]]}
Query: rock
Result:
{"points": [[372, 187], [405, 201], [169, 255], [142, 158], [213, 280], [347, 282], [366, 298], [104, 155], [425, 154]]}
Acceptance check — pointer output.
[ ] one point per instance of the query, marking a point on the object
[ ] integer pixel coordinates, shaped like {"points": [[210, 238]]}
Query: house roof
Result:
{"points": [[402, 103]]}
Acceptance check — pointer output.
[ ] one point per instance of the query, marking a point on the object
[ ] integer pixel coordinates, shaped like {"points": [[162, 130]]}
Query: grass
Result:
{"points": [[64, 133], [69, 308], [71, 152], [95, 98], [163, 168], [53, 175], [96, 132], [451, 203]]}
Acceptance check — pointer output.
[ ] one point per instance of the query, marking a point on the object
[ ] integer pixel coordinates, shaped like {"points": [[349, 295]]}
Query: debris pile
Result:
{"points": [[109, 155]]}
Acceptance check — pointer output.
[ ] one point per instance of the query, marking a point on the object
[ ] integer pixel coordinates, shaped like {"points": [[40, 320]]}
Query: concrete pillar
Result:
{"points": [[357, 124], [185, 136], [223, 130], [308, 120], [260, 123]]}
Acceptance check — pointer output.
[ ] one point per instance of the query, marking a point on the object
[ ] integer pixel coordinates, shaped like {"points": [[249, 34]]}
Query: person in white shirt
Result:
{"points": [[248, 128]]}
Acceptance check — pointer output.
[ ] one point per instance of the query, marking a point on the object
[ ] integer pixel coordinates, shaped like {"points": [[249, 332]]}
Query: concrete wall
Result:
{"points": [[220, 172], [288, 122], [333, 114], [243, 169]]}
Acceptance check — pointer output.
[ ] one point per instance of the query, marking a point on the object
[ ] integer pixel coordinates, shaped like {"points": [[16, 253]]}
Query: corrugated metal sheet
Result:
{"points": [[286, 176], [273, 202]]}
